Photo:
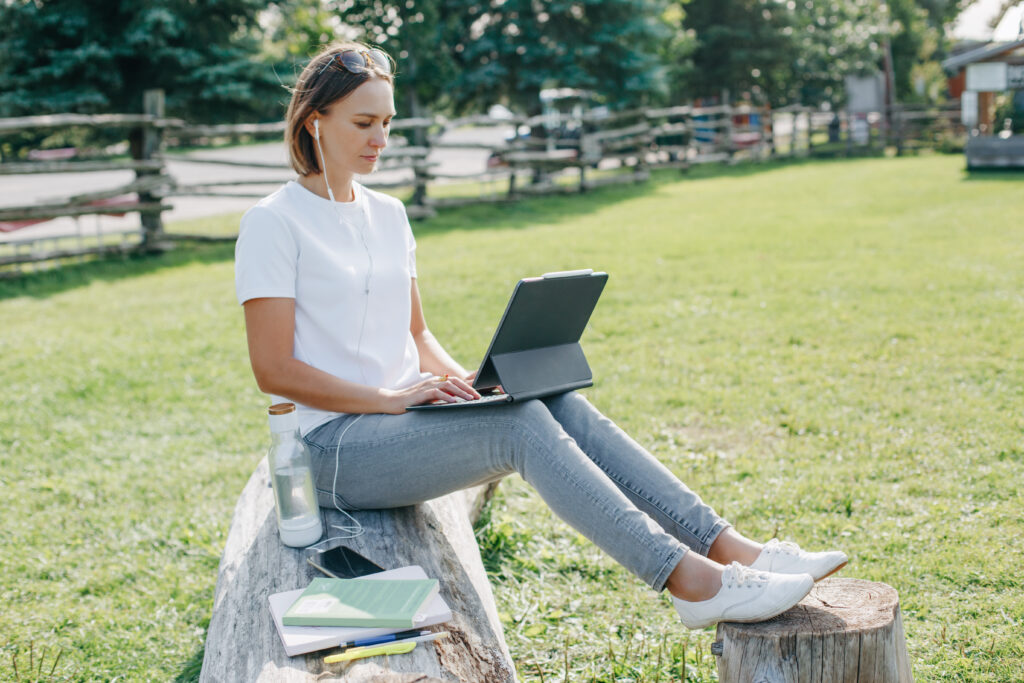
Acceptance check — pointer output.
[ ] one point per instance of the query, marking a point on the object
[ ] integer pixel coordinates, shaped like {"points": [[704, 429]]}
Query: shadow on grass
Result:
{"points": [[529, 211], [190, 672], [46, 283], [1013, 175], [516, 215]]}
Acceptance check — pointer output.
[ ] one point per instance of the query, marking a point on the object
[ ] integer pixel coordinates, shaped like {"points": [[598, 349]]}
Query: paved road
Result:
{"points": [[29, 189]]}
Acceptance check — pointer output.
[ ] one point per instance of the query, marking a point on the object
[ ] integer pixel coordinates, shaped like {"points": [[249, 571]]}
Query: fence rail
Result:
{"points": [[561, 154]]}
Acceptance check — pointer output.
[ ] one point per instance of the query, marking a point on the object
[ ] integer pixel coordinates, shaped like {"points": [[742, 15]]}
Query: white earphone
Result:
{"points": [[355, 529], [323, 161]]}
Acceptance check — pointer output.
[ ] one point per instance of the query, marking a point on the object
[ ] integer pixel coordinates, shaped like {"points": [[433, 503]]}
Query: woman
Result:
{"points": [[326, 272]]}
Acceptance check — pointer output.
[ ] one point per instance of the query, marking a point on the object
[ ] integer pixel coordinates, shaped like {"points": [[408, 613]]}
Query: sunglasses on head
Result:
{"points": [[359, 61]]}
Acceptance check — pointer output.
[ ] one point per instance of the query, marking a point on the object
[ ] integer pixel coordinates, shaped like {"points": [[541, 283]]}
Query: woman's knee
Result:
{"points": [[570, 400], [532, 414]]}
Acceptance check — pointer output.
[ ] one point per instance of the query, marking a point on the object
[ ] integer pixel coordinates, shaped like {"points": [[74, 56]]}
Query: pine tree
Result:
{"points": [[85, 56]]}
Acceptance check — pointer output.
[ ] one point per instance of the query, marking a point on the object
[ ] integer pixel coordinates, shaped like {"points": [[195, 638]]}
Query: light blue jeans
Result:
{"points": [[590, 473]]}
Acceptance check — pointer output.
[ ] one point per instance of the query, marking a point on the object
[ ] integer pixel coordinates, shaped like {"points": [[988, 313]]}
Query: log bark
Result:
{"points": [[242, 643], [844, 631]]}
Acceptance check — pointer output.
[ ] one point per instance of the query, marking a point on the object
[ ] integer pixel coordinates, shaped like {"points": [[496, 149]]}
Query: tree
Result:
{"points": [[85, 56], [835, 40], [418, 34], [514, 48], [415, 32], [458, 55], [801, 50], [741, 46]]}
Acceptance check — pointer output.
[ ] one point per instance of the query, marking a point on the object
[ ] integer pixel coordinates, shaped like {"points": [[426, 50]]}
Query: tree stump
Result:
{"points": [[844, 631], [242, 643]]}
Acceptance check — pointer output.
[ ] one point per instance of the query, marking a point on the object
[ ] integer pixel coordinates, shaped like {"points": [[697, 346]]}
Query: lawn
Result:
{"points": [[829, 352]]}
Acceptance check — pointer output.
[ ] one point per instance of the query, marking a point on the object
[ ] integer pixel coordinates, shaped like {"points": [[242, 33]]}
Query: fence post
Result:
{"points": [[730, 150], [810, 132], [897, 114], [152, 142], [421, 138], [850, 121]]}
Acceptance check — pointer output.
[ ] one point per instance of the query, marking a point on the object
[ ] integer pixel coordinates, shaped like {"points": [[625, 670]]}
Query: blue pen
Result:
{"points": [[377, 640]]}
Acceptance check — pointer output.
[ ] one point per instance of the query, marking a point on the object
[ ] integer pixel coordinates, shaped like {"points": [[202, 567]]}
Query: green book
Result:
{"points": [[378, 603]]}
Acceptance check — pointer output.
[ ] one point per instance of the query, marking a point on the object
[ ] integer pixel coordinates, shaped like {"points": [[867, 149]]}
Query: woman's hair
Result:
{"points": [[323, 82]]}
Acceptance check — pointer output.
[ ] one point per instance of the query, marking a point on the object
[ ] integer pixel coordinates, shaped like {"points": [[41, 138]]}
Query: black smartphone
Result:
{"points": [[341, 562]]}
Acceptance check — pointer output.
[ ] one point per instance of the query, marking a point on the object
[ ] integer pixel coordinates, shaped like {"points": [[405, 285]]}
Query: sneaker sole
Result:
{"points": [[769, 615], [832, 572], [694, 626]]}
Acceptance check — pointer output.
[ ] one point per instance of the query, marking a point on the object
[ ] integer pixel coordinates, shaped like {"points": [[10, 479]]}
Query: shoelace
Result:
{"points": [[782, 547], [742, 577]]}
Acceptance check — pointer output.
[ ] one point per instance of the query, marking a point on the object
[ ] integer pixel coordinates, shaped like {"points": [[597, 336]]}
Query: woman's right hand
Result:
{"points": [[446, 389]]}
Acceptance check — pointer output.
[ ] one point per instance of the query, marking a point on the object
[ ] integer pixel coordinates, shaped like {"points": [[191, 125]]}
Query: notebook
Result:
{"points": [[299, 640], [535, 350], [391, 603]]}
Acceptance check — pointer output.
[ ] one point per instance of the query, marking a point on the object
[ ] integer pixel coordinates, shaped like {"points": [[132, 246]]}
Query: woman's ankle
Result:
{"points": [[695, 578], [732, 546]]}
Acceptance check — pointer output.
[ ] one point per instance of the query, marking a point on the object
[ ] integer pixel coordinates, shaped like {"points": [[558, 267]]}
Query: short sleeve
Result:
{"points": [[266, 257]]}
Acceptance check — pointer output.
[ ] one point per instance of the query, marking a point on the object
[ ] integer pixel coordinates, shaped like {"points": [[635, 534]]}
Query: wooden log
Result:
{"points": [[412, 122], [38, 256], [480, 120], [420, 211], [681, 164], [628, 132], [242, 643], [558, 156], [229, 129], [671, 129], [493, 147], [845, 630], [147, 183], [21, 168], [602, 117], [152, 142], [20, 123], [193, 237], [188, 158], [26, 213], [618, 179], [681, 110], [454, 202], [404, 152]]}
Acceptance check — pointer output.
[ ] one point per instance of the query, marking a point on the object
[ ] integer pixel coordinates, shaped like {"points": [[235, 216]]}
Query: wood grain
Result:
{"points": [[242, 643], [845, 630]]}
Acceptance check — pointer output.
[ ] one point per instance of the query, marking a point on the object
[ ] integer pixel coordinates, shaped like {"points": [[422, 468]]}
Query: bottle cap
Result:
{"points": [[283, 418]]}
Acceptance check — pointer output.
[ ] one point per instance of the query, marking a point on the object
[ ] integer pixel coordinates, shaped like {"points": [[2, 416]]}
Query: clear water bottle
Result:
{"points": [[291, 473]]}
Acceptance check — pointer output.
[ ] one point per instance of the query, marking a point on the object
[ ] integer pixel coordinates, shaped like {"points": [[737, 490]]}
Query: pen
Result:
{"points": [[377, 640], [395, 648], [361, 652]]}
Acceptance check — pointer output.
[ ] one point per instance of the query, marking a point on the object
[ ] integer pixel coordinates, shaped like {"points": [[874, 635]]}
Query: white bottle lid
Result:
{"points": [[300, 533], [283, 418]]}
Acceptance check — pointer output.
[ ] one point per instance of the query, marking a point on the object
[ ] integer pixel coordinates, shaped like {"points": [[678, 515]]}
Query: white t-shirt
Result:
{"points": [[352, 298]]}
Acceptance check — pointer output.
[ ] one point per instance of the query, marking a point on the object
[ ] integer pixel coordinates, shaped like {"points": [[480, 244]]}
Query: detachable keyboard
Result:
{"points": [[485, 400]]}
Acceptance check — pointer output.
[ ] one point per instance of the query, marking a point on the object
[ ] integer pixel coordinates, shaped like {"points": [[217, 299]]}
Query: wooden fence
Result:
{"points": [[561, 154]]}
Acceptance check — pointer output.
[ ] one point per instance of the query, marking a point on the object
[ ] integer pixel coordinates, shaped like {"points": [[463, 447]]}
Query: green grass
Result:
{"points": [[827, 351]]}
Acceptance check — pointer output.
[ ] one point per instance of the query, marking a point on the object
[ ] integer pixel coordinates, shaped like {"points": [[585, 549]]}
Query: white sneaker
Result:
{"points": [[746, 595], [784, 557]]}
